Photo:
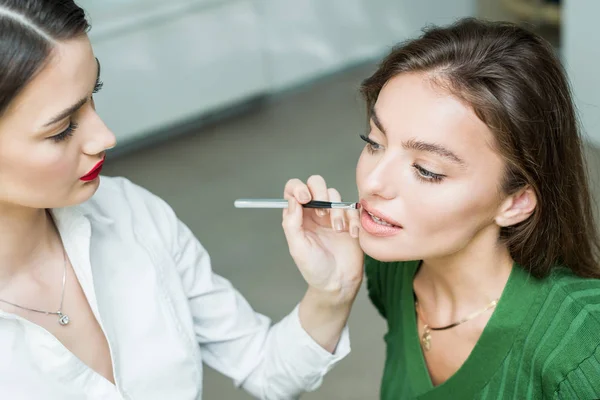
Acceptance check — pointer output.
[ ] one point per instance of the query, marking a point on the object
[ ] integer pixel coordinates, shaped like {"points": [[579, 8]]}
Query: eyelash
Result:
{"points": [[98, 87], [372, 146], [421, 173], [67, 133], [427, 176]]}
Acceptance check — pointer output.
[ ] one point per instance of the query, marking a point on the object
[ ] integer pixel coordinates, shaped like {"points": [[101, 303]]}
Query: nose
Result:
{"points": [[99, 138], [383, 179]]}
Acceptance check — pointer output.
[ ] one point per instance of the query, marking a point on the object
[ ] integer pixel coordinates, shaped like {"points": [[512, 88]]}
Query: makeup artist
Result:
{"points": [[104, 293]]}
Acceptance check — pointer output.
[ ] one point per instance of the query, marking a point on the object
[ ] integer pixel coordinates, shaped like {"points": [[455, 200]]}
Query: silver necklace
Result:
{"points": [[63, 319]]}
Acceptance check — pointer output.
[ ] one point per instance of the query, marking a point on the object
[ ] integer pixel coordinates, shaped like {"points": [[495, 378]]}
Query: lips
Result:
{"points": [[379, 215], [376, 223], [94, 173]]}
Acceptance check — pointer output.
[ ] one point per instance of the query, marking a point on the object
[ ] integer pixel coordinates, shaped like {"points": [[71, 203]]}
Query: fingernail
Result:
{"points": [[338, 225], [321, 212], [304, 197], [354, 232]]}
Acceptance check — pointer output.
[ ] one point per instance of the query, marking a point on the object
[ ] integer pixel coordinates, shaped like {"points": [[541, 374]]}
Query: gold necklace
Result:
{"points": [[426, 337]]}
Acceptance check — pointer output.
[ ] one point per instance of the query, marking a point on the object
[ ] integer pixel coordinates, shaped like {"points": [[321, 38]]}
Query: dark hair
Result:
{"points": [[515, 84], [28, 31]]}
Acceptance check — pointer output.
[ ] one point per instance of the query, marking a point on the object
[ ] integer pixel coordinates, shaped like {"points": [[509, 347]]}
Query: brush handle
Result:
{"points": [[282, 203]]}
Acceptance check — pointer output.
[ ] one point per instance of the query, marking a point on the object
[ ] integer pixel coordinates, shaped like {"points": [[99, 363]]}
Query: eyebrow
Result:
{"points": [[64, 114], [433, 148], [419, 145]]}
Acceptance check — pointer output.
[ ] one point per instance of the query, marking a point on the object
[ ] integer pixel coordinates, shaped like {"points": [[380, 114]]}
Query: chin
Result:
{"points": [[83, 192], [387, 249]]}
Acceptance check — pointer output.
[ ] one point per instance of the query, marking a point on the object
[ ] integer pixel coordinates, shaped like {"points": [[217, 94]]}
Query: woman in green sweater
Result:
{"points": [[476, 218]]}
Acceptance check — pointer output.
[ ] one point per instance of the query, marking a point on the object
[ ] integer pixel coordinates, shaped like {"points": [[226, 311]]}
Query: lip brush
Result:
{"points": [[282, 203]]}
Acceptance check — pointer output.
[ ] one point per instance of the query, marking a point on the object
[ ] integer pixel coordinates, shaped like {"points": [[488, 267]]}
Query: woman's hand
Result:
{"points": [[323, 242]]}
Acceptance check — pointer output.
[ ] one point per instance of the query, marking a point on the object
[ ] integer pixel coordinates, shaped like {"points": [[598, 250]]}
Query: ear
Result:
{"points": [[517, 207]]}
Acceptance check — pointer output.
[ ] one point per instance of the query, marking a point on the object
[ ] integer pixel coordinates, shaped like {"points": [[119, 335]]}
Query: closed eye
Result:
{"points": [[98, 87], [66, 134]]}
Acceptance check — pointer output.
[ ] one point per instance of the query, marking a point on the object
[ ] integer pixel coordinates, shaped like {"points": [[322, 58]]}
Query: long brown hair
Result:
{"points": [[515, 84]]}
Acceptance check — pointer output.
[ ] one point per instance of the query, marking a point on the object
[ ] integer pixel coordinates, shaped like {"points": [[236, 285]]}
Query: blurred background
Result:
{"points": [[213, 100]]}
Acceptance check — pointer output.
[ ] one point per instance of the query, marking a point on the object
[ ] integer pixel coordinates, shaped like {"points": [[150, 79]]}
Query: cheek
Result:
{"points": [[451, 211], [43, 163], [437, 222], [56, 169], [363, 168]]}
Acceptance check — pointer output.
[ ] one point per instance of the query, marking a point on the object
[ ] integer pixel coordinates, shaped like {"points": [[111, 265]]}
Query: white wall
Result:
{"points": [[167, 61], [310, 37], [581, 54]]}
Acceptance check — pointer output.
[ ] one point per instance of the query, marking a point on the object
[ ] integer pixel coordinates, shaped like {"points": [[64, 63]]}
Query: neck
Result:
{"points": [[452, 287], [27, 236]]}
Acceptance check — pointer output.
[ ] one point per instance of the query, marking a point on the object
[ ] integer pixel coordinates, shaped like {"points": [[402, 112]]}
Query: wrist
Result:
{"points": [[323, 315], [341, 297]]}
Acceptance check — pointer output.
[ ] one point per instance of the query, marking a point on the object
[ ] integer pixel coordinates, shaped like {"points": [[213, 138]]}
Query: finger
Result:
{"points": [[318, 188], [297, 189], [292, 226], [353, 218], [338, 219]]}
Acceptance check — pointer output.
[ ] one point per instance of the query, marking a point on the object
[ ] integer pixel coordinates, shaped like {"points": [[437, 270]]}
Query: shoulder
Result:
{"points": [[385, 281], [575, 295], [571, 308], [570, 342]]}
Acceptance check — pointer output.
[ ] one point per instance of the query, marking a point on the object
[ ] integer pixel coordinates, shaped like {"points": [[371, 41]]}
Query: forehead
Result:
{"points": [[65, 78], [412, 106]]}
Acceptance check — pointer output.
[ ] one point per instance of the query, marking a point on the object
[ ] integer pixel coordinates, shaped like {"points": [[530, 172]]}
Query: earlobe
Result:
{"points": [[517, 207]]}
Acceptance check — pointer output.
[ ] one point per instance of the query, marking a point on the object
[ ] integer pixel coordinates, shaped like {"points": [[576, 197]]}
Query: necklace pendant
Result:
{"points": [[63, 319], [426, 338]]}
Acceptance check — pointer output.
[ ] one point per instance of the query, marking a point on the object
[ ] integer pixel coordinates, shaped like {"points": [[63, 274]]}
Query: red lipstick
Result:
{"points": [[94, 173]]}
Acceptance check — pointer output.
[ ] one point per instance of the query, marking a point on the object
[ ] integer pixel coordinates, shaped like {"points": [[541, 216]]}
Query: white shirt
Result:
{"points": [[164, 312]]}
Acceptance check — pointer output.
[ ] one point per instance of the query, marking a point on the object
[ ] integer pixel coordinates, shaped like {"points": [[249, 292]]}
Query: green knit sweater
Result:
{"points": [[541, 342]]}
